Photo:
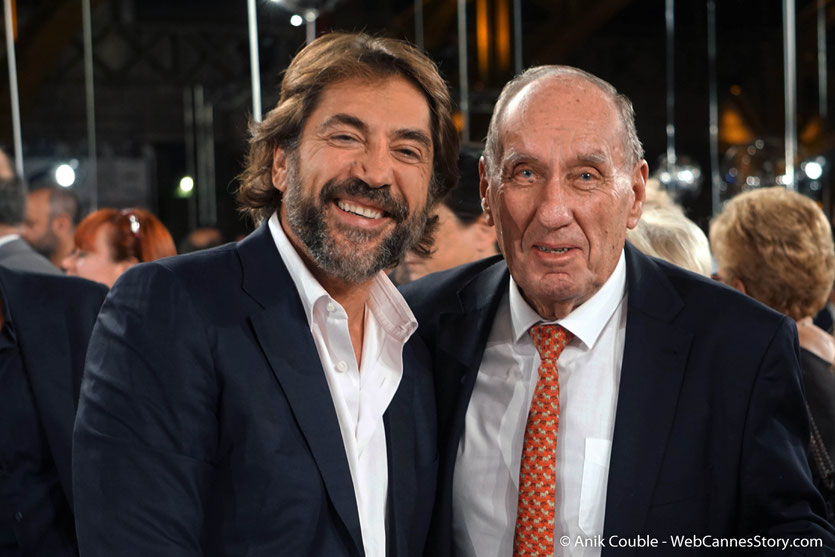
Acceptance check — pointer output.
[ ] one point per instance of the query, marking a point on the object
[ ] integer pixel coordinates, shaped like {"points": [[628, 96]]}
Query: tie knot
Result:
{"points": [[550, 339]]}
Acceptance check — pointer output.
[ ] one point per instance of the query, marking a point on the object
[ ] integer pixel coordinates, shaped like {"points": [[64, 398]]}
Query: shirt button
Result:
{"points": [[342, 366], [331, 307], [18, 516]]}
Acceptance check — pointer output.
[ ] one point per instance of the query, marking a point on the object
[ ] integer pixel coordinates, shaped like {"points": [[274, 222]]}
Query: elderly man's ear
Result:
{"points": [[639, 189], [483, 188]]}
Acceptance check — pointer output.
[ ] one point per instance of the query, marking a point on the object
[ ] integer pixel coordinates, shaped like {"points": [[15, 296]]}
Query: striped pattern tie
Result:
{"points": [[535, 513]]}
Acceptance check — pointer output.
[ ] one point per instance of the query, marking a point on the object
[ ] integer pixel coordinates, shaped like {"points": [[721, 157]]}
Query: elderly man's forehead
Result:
{"points": [[559, 90], [595, 135]]}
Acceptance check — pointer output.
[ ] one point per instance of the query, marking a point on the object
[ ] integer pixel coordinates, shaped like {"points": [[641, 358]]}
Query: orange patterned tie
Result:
{"points": [[537, 476]]}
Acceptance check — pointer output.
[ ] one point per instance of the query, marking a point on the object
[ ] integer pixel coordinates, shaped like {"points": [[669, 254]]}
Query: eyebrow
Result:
{"points": [[414, 135], [354, 122], [594, 157], [346, 119]]}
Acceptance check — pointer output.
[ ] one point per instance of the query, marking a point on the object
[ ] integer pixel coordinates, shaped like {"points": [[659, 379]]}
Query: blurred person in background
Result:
{"points": [[6, 168], [108, 242], [45, 324], [52, 213], [14, 252], [201, 238], [665, 232], [463, 235], [776, 246]]}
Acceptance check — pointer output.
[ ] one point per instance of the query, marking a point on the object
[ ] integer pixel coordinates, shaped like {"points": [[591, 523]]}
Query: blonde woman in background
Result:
{"points": [[665, 232], [776, 246]]}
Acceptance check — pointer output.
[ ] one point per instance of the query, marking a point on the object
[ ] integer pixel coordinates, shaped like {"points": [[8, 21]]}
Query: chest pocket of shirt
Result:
{"points": [[593, 489]]}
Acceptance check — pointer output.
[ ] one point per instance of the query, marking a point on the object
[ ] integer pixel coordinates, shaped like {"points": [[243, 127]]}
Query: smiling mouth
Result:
{"points": [[359, 210], [552, 250]]}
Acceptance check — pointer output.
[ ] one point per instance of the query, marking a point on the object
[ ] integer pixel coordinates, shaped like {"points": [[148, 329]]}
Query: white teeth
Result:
{"points": [[548, 250], [359, 210]]}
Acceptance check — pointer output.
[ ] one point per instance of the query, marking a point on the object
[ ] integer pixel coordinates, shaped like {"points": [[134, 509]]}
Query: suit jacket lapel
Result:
{"points": [[461, 347], [400, 445], [654, 359], [284, 335], [463, 331]]}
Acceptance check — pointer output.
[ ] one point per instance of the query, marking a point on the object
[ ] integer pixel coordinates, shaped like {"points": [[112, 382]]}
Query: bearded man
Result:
{"points": [[268, 397]]}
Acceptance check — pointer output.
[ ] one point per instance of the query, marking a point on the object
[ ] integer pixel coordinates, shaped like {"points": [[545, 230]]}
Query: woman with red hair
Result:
{"points": [[109, 241]]}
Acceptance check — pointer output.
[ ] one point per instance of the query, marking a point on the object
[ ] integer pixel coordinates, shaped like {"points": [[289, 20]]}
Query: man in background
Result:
{"points": [[52, 213], [15, 253]]}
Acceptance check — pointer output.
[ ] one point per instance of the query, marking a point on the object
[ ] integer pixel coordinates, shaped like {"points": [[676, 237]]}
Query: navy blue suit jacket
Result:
{"points": [[52, 317], [206, 426], [710, 430]]}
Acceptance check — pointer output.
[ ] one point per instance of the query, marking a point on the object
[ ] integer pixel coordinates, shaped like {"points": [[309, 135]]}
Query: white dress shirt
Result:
{"points": [[8, 238], [361, 394], [486, 477]]}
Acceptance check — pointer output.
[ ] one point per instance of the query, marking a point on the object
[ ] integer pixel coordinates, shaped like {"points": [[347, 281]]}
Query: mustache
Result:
{"points": [[397, 209]]}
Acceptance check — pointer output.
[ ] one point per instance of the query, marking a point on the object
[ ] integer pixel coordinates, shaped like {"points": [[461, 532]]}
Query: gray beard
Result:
{"points": [[348, 261]]}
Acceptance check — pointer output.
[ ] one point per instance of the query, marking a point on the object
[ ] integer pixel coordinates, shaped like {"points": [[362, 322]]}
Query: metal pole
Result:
{"points": [[671, 86], [517, 37], [13, 93], [89, 91], [310, 17], [463, 78], [715, 176], [254, 64], [419, 24], [188, 113], [790, 86], [823, 94], [200, 152], [211, 190]]}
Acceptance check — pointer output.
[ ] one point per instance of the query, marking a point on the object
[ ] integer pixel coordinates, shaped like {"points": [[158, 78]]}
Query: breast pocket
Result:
{"points": [[593, 489]]}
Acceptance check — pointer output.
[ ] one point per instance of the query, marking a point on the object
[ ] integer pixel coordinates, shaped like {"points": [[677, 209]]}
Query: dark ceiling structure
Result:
{"points": [[156, 62]]}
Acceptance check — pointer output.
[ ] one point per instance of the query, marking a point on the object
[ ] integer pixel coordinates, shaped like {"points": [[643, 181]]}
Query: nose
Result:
{"points": [[554, 210], [375, 166]]}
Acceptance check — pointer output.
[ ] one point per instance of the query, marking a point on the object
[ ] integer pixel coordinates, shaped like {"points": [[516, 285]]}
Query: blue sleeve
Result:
{"points": [[146, 429]]}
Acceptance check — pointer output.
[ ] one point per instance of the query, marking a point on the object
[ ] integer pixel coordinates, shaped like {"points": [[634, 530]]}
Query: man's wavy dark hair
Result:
{"points": [[330, 59]]}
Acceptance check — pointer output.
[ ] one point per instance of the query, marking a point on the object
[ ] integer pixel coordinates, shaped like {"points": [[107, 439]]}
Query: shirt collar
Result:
{"points": [[8, 238], [587, 320], [385, 301]]}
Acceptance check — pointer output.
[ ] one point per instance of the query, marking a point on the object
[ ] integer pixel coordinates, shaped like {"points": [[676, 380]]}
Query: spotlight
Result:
{"points": [[186, 185], [813, 169], [296, 20], [65, 175]]}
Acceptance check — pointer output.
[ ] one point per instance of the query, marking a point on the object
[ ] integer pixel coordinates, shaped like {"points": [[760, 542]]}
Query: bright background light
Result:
{"points": [[186, 184], [296, 20], [65, 175], [813, 170]]}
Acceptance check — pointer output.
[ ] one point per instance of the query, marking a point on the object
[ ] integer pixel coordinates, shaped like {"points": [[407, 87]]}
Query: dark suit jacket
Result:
{"points": [[52, 318], [206, 426], [710, 431], [19, 255]]}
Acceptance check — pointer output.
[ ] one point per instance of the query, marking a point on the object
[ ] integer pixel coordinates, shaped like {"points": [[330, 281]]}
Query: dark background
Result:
{"points": [[149, 55]]}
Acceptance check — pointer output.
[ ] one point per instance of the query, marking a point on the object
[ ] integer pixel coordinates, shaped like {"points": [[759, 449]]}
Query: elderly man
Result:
{"points": [[268, 398], [51, 216], [592, 399]]}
